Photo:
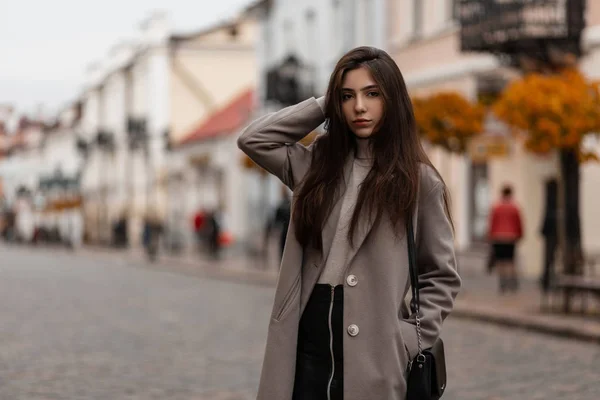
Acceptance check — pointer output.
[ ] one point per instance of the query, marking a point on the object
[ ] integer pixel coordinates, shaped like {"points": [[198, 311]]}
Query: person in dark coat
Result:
{"points": [[550, 233], [281, 219], [153, 228], [213, 227]]}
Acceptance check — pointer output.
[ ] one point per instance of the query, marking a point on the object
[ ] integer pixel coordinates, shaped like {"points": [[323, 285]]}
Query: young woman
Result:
{"points": [[340, 327]]}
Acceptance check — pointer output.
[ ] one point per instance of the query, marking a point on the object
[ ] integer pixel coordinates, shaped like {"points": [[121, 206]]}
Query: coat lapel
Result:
{"points": [[332, 221], [314, 261], [362, 230]]}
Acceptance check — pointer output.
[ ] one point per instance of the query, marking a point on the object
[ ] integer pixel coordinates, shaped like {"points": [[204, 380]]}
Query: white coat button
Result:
{"points": [[353, 330], [352, 280]]}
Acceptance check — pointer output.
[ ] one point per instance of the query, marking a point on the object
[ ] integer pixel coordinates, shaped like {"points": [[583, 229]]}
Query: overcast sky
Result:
{"points": [[45, 45]]}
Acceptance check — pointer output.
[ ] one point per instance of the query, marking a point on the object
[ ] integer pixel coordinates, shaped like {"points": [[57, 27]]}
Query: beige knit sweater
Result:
{"points": [[335, 265]]}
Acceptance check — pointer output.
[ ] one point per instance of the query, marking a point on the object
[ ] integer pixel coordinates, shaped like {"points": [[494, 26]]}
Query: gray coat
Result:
{"points": [[375, 359]]}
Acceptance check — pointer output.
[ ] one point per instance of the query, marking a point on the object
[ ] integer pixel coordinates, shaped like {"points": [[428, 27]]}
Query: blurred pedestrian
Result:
{"points": [[550, 233], [120, 230], [153, 229], [199, 224], [213, 231], [340, 326], [280, 219], [505, 230]]}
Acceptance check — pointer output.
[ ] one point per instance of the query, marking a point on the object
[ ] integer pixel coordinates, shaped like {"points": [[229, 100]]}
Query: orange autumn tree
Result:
{"points": [[552, 111], [556, 112], [448, 120]]}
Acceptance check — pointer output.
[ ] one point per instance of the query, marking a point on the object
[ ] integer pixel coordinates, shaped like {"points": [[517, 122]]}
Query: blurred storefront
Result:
{"points": [[58, 210], [425, 40]]}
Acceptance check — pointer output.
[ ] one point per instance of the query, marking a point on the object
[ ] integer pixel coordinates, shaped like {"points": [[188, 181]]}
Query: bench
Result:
{"points": [[571, 285], [583, 285]]}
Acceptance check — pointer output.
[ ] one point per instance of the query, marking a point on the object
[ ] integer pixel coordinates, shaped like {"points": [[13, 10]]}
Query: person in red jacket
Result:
{"points": [[505, 231]]}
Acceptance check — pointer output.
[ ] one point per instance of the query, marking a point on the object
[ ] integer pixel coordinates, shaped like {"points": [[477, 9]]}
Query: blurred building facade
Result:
{"points": [[142, 101], [213, 83], [125, 122], [39, 171], [58, 203], [21, 152], [424, 40]]}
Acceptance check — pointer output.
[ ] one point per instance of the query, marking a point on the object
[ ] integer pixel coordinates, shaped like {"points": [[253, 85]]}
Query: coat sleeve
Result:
{"points": [[439, 282], [271, 141]]}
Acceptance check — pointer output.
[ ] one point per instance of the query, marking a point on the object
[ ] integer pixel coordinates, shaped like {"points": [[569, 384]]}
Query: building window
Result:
{"points": [[233, 32]]}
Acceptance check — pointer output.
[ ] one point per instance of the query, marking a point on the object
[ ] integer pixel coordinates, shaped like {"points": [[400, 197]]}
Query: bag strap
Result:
{"points": [[412, 266], [414, 283]]}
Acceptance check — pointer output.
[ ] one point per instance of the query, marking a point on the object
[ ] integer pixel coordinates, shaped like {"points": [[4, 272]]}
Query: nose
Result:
{"points": [[359, 106]]}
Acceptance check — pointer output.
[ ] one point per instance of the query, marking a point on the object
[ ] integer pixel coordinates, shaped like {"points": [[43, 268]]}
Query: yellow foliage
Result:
{"points": [[552, 111], [449, 120]]}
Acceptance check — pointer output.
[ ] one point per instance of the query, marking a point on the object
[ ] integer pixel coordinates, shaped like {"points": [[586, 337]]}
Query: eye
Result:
{"points": [[346, 96], [373, 94]]}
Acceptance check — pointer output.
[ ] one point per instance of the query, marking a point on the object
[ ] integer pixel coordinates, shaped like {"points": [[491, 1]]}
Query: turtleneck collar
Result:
{"points": [[363, 149]]}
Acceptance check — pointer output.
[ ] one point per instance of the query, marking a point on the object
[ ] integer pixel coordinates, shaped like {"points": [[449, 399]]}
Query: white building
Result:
{"points": [[40, 171], [125, 123], [58, 198], [148, 95], [20, 166]]}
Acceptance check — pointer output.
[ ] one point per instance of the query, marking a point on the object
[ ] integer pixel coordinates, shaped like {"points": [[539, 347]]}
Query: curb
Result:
{"points": [[534, 323], [198, 267], [238, 275]]}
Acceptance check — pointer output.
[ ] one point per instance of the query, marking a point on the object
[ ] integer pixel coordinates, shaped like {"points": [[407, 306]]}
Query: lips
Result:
{"points": [[361, 122]]}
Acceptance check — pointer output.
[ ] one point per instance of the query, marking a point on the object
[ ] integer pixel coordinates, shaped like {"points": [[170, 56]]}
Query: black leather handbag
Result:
{"points": [[427, 372]]}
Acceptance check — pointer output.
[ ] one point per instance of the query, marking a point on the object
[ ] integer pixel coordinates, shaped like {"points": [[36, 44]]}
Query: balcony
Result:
{"points": [[136, 132], [105, 140], [290, 82]]}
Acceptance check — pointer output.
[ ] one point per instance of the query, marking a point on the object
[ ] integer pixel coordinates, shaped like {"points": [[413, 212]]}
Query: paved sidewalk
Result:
{"points": [[230, 267], [478, 300]]}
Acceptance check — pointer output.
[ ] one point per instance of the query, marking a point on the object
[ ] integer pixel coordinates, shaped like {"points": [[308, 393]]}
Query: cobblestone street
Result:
{"points": [[81, 326]]}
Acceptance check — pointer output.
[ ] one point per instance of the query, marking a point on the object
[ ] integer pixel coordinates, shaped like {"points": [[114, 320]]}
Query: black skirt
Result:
{"points": [[504, 251], [319, 356]]}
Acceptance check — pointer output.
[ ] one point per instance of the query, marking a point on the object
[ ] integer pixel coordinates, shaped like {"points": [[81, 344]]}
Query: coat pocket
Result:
{"points": [[288, 299]]}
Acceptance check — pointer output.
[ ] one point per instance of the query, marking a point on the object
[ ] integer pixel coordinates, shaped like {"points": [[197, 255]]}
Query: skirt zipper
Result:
{"points": [[331, 345]]}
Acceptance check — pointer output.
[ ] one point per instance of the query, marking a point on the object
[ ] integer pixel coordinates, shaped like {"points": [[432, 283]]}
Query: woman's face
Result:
{"points": [[362, 102]]}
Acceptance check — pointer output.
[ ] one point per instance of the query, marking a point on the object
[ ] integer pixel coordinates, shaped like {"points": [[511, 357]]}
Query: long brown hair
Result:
{"points": [[392, 183]]}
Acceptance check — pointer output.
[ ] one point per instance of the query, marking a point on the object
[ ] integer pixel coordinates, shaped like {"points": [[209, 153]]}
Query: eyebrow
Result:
{"points": [[362, 90]]}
